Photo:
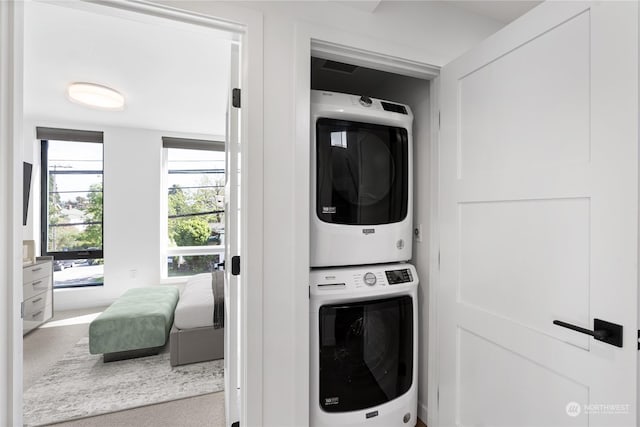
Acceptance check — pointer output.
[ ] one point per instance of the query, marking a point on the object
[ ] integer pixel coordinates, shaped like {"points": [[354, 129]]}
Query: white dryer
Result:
{"points": [[361, 180], [364, 346]]}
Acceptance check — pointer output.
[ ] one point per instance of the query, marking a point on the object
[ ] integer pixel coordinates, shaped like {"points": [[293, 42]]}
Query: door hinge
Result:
{"points": [[235, 265], [439, 121], [235, 98], [638, 339], [22, 310], [438, 260], [438, 397]]}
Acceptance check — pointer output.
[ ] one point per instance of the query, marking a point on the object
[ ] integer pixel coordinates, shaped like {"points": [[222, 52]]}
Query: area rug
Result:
{"points": [[81, 385]]}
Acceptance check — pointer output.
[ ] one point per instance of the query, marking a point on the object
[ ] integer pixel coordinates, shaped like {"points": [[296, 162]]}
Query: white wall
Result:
{"points": [[431, 30], [132, 209], [422, 31]]}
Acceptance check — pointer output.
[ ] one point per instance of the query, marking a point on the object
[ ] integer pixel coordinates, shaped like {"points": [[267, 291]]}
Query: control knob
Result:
{"points": [[370, 279], [365, 101]]}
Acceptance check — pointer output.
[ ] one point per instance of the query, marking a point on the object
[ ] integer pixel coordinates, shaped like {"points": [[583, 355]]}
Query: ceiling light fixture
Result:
{"points": [[95, 96]]}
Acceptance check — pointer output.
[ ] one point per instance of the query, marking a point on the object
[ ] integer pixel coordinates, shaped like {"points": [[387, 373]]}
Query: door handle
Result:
{"points": [[604, 331]]}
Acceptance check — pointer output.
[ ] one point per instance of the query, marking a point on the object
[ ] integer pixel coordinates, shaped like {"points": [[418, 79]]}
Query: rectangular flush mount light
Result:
{"points": [[95, 96]]}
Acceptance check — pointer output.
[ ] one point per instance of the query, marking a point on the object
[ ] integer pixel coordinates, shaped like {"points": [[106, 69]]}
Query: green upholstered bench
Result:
{"points": [[137, 324]]}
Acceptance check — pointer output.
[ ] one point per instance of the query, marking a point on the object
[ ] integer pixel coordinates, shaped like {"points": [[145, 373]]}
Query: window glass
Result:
{"points": [[195, 201], [72, 213]]}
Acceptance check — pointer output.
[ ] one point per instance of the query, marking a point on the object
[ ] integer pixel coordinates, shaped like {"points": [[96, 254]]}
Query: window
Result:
{"points": [[195, 181], [72, 205]]}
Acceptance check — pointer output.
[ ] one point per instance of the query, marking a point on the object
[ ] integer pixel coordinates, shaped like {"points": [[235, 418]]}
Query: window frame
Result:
{"points": [[44, 210], [176, 251]]}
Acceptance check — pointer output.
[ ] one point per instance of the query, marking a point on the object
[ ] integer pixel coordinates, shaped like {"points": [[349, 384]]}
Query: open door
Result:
{"points": [[539, 222], [232, 250]]}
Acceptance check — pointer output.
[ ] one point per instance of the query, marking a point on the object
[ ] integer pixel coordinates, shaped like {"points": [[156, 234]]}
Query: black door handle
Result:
{"points": [[604, 331]]}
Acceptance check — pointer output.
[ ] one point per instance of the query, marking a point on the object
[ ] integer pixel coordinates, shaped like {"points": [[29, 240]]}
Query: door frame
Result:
{"points": [[11, 118], [248, 25], [329, 43]]}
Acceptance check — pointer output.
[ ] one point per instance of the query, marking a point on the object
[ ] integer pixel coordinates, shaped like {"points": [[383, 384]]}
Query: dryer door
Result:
{"points": [[366, 353], [362, 172]]}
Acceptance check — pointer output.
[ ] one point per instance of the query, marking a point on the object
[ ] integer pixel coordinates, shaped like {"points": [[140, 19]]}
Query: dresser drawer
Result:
{"points": [[37, 303], [35, 319], [36, 271], [36, 287]]}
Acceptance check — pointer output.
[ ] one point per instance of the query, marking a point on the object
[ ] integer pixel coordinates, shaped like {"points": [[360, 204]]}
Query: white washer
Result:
{"points": [[364, 346], [361, 180]]}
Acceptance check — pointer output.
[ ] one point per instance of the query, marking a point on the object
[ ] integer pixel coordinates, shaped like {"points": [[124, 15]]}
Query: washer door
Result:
{"points": [[362, 172], [366, 353]]}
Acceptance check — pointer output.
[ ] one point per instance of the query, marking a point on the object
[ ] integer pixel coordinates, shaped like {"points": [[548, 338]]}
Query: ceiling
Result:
{"points": [[174, 78], [503, 11]]}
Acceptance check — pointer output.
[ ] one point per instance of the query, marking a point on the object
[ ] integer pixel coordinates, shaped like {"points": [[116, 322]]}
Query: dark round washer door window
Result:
{"points": [[366, 353]]}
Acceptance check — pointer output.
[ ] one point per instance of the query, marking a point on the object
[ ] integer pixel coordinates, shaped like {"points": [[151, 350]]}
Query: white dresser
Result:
{"points": [[37, 293]]}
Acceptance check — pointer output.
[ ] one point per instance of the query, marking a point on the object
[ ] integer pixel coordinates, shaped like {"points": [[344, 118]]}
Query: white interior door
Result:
{"points": [[539, 221], [232, 298]]}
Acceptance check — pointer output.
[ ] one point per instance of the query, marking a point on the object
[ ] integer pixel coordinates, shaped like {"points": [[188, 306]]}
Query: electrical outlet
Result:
{"points": [[417, 233]]}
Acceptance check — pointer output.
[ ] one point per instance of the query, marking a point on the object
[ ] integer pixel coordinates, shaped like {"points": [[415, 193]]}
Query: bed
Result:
{"points": [[197, 334]]}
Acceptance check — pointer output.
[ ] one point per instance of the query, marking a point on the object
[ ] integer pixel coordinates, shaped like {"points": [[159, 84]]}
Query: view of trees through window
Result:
{"points": [[66, 235], [74, 211], [195, 210]]}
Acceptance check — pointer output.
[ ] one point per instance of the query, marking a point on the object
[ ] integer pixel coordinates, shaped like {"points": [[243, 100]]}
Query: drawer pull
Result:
{"points": [[34, 284], [34, 315], [33, 270], [36, 300]]}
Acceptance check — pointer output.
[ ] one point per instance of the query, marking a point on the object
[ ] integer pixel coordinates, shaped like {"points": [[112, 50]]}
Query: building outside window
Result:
{"points": [[72, 205], [195, 179]]}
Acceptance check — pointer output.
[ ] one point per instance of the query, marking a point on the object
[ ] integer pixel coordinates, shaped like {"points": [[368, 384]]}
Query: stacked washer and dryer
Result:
{"points": [[363, 292]]}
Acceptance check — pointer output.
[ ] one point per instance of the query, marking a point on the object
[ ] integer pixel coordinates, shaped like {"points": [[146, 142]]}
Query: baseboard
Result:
{"points": [[423, 413]]}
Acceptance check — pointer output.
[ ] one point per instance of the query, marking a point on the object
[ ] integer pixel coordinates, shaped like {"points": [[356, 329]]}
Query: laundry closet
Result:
{"points": [[369, 244]]}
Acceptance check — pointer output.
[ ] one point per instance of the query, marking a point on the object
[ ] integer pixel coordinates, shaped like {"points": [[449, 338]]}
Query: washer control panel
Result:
{"points": [[395, 277], [362, 278]]}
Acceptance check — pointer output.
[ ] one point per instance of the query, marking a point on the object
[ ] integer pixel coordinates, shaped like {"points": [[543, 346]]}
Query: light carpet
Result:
{"points": [[81, 385]]}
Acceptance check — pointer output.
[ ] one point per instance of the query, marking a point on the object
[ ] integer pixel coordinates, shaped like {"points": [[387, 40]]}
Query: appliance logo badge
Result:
{"points": [[368, 230], [328, 209], [372, 414], [328, 401]]}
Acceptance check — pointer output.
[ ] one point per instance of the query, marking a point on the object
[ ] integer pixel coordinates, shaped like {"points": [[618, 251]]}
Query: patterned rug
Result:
{"points": [[81, 385]]}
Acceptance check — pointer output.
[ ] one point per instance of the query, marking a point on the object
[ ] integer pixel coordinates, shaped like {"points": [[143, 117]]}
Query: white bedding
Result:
{"points": [[195, 306]]}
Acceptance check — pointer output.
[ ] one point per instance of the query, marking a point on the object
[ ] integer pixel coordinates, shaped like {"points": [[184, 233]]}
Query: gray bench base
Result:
{"points": [[131, 354], [196, 345]]}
